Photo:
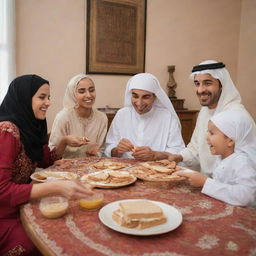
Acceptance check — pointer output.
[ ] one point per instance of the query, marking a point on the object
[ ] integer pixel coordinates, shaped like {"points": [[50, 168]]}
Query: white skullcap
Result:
{"points": [[237, 125]]}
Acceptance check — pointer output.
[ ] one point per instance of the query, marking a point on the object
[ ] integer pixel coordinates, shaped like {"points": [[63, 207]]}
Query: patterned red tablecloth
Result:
{"points": [[209, 227]]}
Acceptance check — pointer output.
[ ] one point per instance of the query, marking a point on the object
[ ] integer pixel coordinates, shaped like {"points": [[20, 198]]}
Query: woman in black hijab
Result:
{"points": [[17, 108], [23, 140]]}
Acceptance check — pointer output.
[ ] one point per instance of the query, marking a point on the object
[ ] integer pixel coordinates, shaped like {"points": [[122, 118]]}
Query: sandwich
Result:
{"points": [[139, 214]]}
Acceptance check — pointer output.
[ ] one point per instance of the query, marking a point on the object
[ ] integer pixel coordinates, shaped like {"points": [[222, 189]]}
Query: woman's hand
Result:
{"points": [[195, 179], [72, 141], [71, 189], [75, 141]]}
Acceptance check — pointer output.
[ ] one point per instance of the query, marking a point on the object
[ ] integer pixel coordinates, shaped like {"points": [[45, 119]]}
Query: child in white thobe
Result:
{"points": [[232, 138]]}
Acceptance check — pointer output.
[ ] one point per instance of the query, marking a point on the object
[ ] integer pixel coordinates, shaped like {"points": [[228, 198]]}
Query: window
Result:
{"points": [[7, 45]]}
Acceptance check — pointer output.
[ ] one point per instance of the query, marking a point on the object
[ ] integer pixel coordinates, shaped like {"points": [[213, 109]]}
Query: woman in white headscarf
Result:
{"points": [[233, 140], [79, 118], [147, 125]]}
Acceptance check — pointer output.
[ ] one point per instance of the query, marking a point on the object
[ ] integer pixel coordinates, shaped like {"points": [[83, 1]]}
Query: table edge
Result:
{"points": [[40, 245]]}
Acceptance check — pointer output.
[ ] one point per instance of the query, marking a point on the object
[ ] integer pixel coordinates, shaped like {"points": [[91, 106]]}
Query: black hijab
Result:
{"points": [[17, 108]]}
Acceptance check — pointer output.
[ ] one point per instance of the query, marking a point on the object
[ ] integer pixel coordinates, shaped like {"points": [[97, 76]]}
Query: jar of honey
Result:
{"points": [[53, 206]]}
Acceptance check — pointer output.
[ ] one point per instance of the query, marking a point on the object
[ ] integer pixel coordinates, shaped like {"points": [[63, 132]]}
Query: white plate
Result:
{"points": [[174, 219], [55, 176], [99, 184]]}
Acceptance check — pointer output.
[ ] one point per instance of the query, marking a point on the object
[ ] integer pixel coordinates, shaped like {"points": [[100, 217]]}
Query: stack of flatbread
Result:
{"points": [[108, 164], [162, 170], [109, 177], [63, 163]]}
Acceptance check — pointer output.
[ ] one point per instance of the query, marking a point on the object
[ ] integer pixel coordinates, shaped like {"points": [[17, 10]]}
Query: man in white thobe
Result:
{"points": [[147, 128], [216, 93]]}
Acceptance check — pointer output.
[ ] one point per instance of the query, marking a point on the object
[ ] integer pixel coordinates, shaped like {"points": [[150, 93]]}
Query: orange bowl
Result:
{"points": [[92, 202]]}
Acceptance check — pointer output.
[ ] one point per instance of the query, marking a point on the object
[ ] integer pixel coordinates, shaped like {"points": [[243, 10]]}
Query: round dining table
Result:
{"points": [[208, 227]]}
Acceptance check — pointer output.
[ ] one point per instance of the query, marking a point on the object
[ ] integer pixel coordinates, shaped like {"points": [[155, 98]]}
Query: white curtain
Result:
{"points": [[7, 45]]}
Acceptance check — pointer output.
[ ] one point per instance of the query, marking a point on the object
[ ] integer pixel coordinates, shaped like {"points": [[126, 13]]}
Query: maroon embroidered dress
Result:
{"points": [[15, 188]]}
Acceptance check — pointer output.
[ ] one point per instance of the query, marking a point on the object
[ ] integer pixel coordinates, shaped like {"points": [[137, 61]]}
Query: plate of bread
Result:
{"points": [[140, 217], [162, 170], [44, 176], [109, 179]]}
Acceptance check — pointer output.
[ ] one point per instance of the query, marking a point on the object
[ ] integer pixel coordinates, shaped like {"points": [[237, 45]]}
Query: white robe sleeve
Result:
{"points": [[175, 142], [102, 131], [113, 136], [237, 186], [197, 155], [190, 154]]}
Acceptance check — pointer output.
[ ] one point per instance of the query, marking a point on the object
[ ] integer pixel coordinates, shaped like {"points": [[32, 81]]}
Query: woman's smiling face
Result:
{"points": [[85, 93], [41, 102]]}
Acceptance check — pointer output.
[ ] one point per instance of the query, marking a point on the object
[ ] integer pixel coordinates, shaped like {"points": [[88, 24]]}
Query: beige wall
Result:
{"points": [[51, 43], [247, 56]]}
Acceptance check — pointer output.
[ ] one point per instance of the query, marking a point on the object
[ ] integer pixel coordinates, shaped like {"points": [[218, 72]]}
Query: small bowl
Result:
{"points": [[92, 202], [53, 207]]}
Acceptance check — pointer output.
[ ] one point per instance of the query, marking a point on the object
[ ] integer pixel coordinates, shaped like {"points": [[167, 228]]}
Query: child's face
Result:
{"points": [[219, 143]]}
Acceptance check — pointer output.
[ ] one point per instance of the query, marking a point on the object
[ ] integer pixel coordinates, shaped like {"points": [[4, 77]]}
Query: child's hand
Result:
{"points": [[195, 179]]}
